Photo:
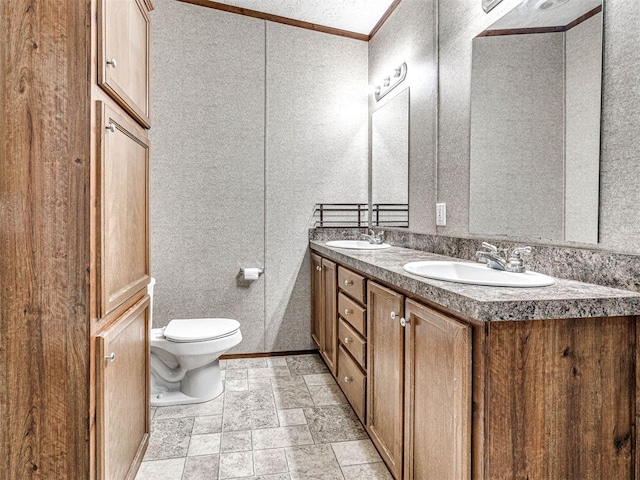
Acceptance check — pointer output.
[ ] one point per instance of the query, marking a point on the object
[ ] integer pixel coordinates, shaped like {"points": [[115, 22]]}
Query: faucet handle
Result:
{"points": [[520, 251], [491, 248]]}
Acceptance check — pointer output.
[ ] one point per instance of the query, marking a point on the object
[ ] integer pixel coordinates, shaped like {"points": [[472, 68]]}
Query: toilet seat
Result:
{"points": [[200, 329]]}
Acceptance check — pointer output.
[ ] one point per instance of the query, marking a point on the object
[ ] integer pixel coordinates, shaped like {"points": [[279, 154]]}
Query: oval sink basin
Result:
{"points": [[357, 244], [477, 274]]}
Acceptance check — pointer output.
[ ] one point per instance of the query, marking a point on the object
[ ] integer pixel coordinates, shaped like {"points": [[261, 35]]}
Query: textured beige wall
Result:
{"points": [[408, 36], [253, 123]]}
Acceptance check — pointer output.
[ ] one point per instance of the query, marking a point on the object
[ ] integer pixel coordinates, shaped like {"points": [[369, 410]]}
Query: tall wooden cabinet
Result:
{"points": [[325, 322], [74, 237]]}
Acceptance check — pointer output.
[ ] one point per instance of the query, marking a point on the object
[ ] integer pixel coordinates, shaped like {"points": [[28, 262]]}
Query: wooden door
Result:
{"points": [[329, 315], [437, 396], [316, 299], [385, 364], [123, 252], [123, 54], [122, 394]]}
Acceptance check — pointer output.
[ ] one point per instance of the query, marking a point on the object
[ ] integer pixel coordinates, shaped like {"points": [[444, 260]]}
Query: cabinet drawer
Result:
{"points": [[352, 381], [353, 284], [354, 343], [353, 313]]}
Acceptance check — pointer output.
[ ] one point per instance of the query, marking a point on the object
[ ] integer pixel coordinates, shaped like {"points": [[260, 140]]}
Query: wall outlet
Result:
{"points": [[441, 214]]}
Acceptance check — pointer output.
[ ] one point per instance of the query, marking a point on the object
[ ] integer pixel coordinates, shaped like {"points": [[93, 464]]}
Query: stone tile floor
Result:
{"points": [[280, 418]]}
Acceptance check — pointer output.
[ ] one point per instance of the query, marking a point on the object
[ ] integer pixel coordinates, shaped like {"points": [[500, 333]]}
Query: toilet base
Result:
{"points": [[197, 386], [178, 398]]}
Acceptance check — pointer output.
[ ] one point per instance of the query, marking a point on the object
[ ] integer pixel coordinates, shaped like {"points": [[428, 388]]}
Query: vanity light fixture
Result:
{"points": [[390, 82]]}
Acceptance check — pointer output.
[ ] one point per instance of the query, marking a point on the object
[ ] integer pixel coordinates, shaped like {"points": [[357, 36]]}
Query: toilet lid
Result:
{"points": [[200, 329]]}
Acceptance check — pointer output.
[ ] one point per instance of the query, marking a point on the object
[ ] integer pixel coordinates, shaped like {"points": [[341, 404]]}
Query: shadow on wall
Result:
{"points": [[289, 327]]}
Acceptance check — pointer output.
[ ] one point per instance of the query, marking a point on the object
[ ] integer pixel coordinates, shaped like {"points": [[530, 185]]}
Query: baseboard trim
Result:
{"points": [[232, 356]]}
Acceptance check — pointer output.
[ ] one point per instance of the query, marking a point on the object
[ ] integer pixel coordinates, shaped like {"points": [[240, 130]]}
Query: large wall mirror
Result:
{"points": [[390, 162], [535, 122]]}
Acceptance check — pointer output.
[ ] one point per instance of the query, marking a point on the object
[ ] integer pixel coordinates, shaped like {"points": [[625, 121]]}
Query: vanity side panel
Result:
{"points": [[561, 399]]}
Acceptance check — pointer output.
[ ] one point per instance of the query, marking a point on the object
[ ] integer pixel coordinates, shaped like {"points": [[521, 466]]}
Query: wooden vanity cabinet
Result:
{"points": [[325, 320], [123, 54]]}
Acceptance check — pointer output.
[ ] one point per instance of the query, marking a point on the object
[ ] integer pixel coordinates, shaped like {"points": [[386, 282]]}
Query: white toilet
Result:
{"points": [[185, 354]]}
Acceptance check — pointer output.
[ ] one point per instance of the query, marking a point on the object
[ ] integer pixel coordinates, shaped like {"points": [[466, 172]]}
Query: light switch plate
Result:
{"points": [[441, 214]]}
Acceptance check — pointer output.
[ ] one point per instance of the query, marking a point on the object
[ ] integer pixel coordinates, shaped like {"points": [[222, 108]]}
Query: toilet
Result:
{"points": [[185, 366]]}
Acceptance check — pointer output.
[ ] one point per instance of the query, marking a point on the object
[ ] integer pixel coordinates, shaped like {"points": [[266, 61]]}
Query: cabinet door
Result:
{"points": [[329, 315], [385, 365], [123, 55], [316, 299], [122, 394], [437, 396], [123, 250]]}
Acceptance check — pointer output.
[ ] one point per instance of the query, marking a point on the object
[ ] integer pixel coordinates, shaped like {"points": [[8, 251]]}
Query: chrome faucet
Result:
{"points": [[501, 260], [373, 238]]}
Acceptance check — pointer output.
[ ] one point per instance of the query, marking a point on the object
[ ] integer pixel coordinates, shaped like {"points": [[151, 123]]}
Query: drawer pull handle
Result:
{"points": [[111, 127], [348, 283], [347, 340], [112, 357], [348, 311], [112, 62], [348, 379], [404, 321]]}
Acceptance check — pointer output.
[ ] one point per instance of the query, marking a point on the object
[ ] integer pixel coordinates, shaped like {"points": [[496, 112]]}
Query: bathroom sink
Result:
{"points": [[357, 244], [477, 274]]}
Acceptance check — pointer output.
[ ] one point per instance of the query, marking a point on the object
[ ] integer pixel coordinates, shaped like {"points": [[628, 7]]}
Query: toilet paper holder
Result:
{"points": [[242, 271]]}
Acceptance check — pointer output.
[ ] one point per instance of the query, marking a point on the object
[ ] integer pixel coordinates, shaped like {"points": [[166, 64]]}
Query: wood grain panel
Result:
{"points": [[44, 239], [561, 399], [124, 35], [352, 284], [123, 255], [385, 369], [123, 394], [437, 396], [329, 348], [353, 313], [353, 342]]}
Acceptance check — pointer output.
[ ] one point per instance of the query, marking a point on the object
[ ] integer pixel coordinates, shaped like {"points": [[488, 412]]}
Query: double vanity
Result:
{"points": [[463, 381]]}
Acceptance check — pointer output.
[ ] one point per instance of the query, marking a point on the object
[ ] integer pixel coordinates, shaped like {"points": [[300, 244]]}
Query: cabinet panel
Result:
{"points": [[123, 251], [329, 347], [316, 299], [437, 396], [122, 394], [123, 55], [385, 368]]}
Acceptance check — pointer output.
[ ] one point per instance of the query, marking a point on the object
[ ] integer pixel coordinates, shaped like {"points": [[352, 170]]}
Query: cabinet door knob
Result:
{"points": [[318, 268], [348, 282], [348, 379], [394, 315], [111, 127], [404, 321], [112, 62], [348, 311], [112, 357], [347, 340]]}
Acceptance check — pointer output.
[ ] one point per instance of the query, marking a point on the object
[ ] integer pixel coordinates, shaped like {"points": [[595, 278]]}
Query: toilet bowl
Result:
{"points": [[185, 366]]}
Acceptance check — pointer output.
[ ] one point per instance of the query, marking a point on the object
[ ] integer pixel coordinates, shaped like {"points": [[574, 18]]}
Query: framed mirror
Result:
{"points": [[535, 123], [390, 163]]}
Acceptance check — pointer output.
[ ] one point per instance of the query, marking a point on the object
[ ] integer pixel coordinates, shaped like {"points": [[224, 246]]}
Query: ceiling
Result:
{"points": [[545, 13], [359, 16]]}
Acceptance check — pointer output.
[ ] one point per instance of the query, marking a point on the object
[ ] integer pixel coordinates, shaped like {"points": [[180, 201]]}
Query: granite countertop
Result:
{"points": [[565, 299]]}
